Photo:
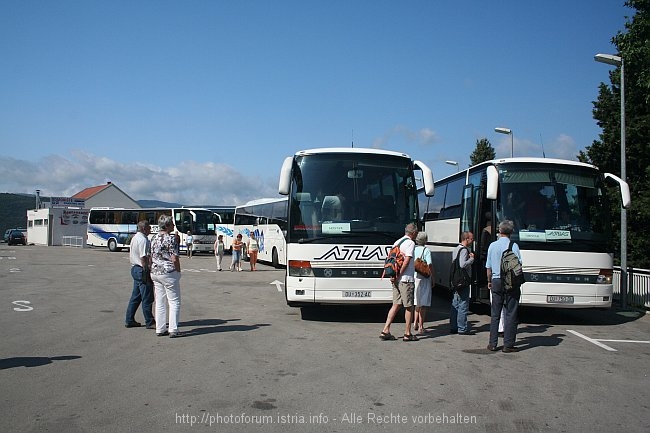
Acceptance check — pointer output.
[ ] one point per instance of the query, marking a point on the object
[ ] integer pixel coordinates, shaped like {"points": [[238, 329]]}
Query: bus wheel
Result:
{"points": [[112, 245], [274, 259]]}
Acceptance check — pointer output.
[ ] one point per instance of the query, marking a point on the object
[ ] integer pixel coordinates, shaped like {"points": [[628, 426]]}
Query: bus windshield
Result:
{"points": [[341, 197], [555, 204], [196, 221]]}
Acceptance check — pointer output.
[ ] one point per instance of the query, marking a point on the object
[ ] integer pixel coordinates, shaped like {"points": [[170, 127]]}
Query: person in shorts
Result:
{"points": [[403, 286]]}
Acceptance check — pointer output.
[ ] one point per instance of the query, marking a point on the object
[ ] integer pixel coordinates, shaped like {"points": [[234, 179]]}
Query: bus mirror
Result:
{"points": [[626, 200], [492, 183], [355, 174], [285, 176], [427, 178]]}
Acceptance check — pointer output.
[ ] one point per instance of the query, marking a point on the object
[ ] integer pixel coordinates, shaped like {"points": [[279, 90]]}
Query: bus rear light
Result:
{"points": [[300, 268], [605, 276]]}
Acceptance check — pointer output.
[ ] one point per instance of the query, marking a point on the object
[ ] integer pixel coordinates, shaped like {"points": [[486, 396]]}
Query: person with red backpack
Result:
{"points": [[403, 286]]}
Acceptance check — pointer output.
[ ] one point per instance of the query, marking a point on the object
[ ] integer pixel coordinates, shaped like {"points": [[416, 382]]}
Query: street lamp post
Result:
{"points": [[616, 61], [454, 163], [512, 138]]}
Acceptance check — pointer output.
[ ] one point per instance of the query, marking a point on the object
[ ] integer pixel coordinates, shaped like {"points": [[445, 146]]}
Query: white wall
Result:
{"points": [[61, 223]]}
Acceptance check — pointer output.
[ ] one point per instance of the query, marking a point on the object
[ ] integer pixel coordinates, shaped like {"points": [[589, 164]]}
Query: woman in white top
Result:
{"points": [[423, 284], [219, 250], [252, 247]]}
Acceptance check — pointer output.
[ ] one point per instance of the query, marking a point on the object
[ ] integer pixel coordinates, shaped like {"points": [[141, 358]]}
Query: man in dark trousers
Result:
{"points": [[140, 257], [460, 303], [501, 298]]}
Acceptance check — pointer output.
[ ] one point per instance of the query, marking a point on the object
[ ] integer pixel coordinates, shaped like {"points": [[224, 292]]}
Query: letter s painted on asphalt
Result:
{"points": [[24, 306]]}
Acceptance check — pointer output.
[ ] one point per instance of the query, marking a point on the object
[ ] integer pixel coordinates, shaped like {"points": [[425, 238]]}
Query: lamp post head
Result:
{"points": [[453, 163], [503, 130], [610, 59]]}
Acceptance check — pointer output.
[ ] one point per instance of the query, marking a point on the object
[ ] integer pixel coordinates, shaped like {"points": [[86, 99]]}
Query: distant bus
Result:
{"points": [[227, 225], [347, 206], [114, 227], [560, 211], [267, 218]]}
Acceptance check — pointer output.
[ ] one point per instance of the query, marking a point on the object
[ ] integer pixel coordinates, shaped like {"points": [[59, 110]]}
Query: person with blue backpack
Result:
{"points": [[503, 296]]}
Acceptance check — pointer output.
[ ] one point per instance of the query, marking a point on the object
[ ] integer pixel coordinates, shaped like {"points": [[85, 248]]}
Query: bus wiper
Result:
{"points": [[371, 232], [310, 240]]}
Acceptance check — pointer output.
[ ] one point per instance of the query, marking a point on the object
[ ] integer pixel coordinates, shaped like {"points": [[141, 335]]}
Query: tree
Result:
{"points": [[483, 152], [605, 152]]}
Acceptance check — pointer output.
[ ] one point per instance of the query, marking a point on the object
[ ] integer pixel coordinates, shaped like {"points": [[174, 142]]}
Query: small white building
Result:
{"points": [[65, 220], [57, 226]]}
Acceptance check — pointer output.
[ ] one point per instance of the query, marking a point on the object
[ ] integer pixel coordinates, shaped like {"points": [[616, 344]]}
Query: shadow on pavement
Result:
{"points": [[33, 361]]}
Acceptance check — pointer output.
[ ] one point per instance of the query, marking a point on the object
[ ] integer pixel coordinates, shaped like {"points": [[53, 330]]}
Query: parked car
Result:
{"points": [[17, 237], [6, 238]]}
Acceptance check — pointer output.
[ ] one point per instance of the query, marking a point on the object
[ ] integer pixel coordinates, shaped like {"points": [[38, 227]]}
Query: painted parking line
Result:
{"points": [[591, 340], [599, 341]]}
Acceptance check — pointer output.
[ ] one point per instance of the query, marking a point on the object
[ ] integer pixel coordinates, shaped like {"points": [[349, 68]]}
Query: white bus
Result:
{"points": [[347, 206], [560, 210], [227, 225], [114, 227], [267, 218]]}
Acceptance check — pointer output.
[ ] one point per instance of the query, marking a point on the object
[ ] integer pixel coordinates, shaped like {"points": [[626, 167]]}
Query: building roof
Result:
{"points": [[87, 193]]}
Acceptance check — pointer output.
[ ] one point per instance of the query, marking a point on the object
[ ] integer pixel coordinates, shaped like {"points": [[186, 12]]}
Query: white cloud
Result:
{"points": [[562, 147], [423, 136], [188, 183]]}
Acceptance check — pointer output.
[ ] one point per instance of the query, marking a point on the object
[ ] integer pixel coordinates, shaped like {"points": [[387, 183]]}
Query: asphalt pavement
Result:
{"points": [[248, 362]]}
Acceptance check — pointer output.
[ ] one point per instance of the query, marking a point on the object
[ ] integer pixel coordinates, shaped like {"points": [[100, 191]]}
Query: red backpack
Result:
{"points": [[394, 261]]}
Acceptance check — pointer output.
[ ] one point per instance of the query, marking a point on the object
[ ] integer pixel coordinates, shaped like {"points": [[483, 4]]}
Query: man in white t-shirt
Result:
{"points": [[403, 286], [140, 257]]}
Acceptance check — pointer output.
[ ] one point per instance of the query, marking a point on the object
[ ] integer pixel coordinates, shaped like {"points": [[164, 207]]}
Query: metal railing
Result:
{"points": [[638, 286], [72, 241]]}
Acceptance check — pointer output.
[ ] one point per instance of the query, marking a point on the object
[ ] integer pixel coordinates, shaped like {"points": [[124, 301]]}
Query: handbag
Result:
{"points": [[421, 266]]}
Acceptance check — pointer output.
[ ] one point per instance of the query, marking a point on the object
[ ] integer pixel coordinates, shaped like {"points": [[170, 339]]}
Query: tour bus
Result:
{"points": [[227, 225], [267, 218], [560, 211], [347, 206], [114, 227]]}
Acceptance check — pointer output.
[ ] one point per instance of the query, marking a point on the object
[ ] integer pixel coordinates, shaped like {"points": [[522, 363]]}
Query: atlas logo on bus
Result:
{"points": [[355, 252]]}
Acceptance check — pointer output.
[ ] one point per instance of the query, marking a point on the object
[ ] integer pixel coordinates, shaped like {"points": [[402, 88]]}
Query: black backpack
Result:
{"points": [[512, 273], [458, 277]]}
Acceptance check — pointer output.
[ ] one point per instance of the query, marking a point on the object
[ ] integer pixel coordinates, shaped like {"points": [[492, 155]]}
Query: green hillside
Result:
{"points": [[13, 210]]}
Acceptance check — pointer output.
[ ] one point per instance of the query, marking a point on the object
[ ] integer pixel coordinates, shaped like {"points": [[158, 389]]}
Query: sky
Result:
{"points": [[199, 102]]}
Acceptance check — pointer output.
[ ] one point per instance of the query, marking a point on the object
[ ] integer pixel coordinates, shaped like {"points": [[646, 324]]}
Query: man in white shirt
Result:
{"points": [[403, 286], [140, 257]]}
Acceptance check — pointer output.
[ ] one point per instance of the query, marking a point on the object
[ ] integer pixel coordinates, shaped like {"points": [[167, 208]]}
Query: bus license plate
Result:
{"points": [[356, 294], [555, 299]]}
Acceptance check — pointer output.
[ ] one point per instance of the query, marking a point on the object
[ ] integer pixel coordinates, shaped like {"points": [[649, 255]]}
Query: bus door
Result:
{"points": [[467, 218]]}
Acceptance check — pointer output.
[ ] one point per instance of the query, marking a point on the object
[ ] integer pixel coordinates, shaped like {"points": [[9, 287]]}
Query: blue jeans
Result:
{"points": [[142, 294], [510, 302], [459, 309], [236, 259]]}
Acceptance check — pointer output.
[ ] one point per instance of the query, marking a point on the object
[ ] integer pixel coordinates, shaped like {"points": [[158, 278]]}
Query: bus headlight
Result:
{"points": [[605, 276], [300, 268]]}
